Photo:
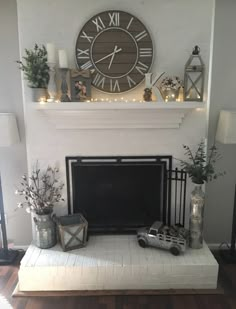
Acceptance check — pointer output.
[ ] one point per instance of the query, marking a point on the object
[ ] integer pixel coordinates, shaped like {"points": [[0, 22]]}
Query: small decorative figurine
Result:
{"points": [[147, 96], [173, 238]]}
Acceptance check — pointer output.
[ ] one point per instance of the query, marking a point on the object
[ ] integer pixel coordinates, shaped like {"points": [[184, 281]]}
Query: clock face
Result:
{"points": [[117, 48]]}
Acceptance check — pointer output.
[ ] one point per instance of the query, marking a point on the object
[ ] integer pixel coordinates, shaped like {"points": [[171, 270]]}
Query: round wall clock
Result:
{"points": [[117, 48]]}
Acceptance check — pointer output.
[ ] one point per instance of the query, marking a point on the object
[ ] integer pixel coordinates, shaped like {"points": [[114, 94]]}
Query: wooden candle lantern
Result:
{"points": [[72, 231]]}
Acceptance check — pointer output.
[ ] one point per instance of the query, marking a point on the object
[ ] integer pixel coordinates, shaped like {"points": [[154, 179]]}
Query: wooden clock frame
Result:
{"points": [[118, 50]]}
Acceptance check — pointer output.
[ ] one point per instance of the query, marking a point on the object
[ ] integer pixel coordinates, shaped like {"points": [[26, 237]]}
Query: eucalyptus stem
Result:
{"points": [[200, 167]]}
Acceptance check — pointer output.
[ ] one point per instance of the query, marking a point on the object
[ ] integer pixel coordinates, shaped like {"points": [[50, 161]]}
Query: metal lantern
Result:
{"points": [[72, 230], [194, 77]]}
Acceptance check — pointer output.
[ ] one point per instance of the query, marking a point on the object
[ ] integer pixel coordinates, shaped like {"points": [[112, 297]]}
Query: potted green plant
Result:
{"points": [[200, 167], [36, 71], [41, 191]]}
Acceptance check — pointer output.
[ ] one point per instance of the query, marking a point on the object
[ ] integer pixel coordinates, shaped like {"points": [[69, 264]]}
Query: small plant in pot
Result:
{"points": [[200, 168], [36, 71], [41, 191]]}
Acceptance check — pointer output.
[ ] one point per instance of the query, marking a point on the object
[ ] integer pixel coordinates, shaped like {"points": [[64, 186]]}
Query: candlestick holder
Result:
{"points": [[64, 86], [52, 89]]}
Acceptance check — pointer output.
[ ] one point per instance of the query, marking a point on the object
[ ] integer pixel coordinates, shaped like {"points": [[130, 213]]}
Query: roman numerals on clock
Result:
{"points": [[145, 52], [114, 19], [98, 23], [82, 54], [141, 35], [114, 85], [141, 68], [99, 81], [86, 65], [87, 37], [131, 82], [117, 48]]}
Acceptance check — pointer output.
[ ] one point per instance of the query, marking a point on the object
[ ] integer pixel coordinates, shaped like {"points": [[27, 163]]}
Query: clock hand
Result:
{"points": [[112, 57], [109, 55]]}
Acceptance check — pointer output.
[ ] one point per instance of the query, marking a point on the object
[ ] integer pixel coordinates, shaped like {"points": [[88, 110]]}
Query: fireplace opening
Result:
{"points": [[119, 194]]}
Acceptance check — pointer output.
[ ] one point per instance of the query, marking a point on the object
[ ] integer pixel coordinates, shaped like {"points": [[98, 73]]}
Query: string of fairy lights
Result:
{"points": [[43, 100]]}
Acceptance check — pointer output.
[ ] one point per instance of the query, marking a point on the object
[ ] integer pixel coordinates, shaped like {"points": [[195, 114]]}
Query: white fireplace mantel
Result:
{"points": [[117, 115]]}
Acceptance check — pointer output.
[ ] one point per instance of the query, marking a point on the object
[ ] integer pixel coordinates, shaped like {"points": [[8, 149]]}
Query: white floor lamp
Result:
{"points": [[226, 134], [9, 135]]}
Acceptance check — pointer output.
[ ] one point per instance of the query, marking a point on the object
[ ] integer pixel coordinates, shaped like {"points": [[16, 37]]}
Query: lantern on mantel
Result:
{"points": [[194, 77]]}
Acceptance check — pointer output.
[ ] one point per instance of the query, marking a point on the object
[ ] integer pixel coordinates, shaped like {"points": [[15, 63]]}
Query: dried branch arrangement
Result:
{"points": [[41, 190]]}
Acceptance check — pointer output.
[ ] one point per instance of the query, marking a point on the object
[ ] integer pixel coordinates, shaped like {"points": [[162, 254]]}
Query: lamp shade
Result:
{"points": [[9, 133], [226, 129]]}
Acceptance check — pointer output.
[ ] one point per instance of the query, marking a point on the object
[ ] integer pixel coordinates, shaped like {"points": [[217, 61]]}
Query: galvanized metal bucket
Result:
{"points": [[45, 231]]}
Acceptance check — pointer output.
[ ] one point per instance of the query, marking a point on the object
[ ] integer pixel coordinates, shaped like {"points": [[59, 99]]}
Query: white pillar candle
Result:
{"points": [[51, 50], [63, 61]]}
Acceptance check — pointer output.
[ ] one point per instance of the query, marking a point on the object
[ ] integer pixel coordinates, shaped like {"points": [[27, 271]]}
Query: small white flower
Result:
{"points": [[28, 210], [16, 192], [20, 205]]}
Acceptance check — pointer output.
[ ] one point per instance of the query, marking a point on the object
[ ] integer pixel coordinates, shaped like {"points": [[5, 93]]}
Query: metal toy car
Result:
{"points": [[172, 238]]}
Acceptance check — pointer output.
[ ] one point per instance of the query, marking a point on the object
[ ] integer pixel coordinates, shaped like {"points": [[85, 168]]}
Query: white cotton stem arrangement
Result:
{"points": [[41, 191]]}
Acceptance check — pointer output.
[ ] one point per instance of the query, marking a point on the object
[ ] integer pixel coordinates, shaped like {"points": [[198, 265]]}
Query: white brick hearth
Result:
{"points": [[116, 263]]}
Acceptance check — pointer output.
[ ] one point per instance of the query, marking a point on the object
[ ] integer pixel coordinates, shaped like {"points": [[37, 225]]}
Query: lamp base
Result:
{"points": [[228, 257], [7, 257]]}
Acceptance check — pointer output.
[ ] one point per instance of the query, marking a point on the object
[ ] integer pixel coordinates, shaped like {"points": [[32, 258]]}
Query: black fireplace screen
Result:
{"points": [[119, 194]]}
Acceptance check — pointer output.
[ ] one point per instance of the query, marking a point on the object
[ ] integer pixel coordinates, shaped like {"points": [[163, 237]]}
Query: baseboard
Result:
{"points": [[213, 246], [20, 247]]}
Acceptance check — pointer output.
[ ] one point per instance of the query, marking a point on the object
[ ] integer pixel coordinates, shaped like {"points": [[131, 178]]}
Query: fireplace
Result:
{"points": [[119, 194]]}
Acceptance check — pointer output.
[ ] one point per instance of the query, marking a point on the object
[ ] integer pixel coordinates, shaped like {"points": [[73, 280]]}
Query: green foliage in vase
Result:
{"points": [[35, 68], [41, 190], [200, 165]]}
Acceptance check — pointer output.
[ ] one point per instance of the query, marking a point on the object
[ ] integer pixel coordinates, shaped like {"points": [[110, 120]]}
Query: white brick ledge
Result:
{"points": [[113, 263]]}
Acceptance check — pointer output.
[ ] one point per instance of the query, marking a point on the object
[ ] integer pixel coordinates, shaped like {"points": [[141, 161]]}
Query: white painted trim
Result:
{"points": [[213, 246], [117, 115], [117, 105], [21, 247]]}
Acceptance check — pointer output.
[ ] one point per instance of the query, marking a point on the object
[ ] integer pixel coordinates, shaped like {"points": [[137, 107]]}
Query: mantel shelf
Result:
{"points": [[117, 115]]}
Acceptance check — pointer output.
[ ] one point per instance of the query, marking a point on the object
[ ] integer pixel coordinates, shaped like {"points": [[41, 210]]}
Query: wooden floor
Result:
{"points": [[227, 277]]}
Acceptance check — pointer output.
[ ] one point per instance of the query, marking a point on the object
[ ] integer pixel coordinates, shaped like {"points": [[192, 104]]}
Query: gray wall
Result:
{"points": [[12, 159], [220, 194]]}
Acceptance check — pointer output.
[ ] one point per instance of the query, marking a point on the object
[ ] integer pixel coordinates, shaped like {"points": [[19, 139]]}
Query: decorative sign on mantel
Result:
{"points": [[150, 83], [80, 85]]}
